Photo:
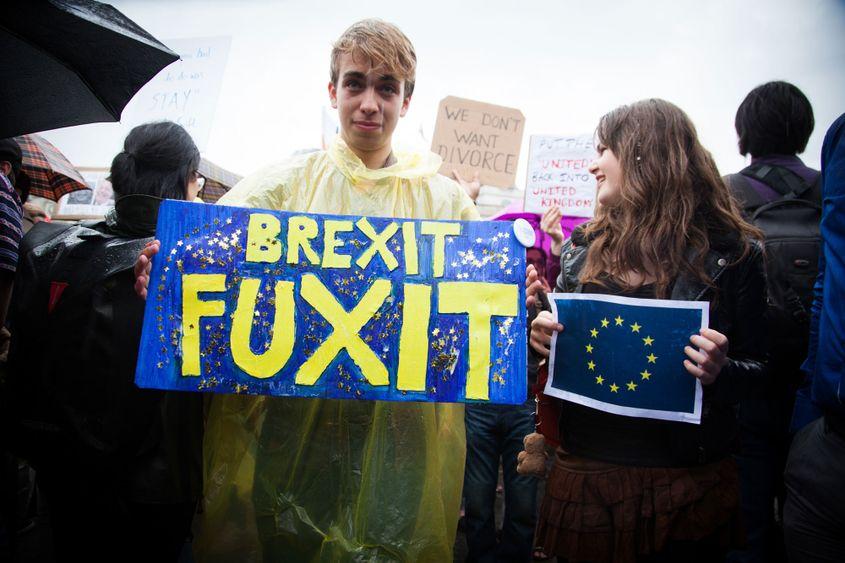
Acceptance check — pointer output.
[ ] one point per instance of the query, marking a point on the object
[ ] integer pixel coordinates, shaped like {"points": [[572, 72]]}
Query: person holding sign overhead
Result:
{"points": [[625, 488], [312, 479]]}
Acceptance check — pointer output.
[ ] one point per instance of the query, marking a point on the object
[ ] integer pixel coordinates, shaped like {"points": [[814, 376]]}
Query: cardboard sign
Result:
{"points": [[626, 356], [473, 136], [559, 175], [293, 304]]}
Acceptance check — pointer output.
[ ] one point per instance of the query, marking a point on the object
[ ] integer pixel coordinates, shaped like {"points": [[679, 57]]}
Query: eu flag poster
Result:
{"points": [[626, 356]]}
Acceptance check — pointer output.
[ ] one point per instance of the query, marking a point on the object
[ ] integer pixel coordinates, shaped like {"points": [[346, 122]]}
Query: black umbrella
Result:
{"points": [[69, 62]]}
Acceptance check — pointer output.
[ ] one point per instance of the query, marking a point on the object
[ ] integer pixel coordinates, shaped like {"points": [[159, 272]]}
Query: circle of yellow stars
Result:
{"points": [[635, 327]]}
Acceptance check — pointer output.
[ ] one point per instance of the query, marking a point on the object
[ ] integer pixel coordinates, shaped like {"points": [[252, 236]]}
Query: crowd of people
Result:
{"points": [[130, 474]]}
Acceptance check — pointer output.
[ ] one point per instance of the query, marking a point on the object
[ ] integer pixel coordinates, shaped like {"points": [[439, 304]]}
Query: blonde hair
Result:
{"points": [[383, 44]]}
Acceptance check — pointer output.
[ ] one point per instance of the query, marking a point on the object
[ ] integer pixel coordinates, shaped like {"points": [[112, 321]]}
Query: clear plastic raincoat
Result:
{"points": [[291, 479]]}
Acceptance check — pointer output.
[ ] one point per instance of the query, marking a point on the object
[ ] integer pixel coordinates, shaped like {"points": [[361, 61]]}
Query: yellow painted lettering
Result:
{"points": [[277, 353], [261, 242], [378, 244], [409, 237], [345, 328], [193, 310], [301, 230], [330, 258], [413, 341], [440, 230], [480, 301]]}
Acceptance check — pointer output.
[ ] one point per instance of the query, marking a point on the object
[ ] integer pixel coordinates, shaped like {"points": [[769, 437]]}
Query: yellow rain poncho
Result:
{"points": [[291, 479]]}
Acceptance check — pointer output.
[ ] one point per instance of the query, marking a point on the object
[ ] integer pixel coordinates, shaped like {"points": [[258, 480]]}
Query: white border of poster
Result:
{"points": [[93, 203], [694, 417]]}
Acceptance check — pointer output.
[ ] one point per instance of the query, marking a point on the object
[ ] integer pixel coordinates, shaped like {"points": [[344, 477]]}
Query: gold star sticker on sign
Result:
{"points": [[605, 323], [632, 386], [589, 348], [648, 340], [635, 327], [619, 320], [614, 388], [645, 373], [600, 380], [652, 359], [594, 333], [591, 365]]}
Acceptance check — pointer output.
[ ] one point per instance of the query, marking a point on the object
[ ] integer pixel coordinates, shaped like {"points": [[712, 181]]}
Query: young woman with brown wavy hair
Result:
{"points": [[634, 489]]}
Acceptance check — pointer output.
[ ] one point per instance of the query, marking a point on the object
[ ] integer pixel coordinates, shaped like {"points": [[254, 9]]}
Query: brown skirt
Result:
{"points": [[596, 511]]}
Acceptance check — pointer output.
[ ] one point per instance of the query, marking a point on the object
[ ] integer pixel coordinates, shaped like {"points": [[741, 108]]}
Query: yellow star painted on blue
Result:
{"points": [[619, 320], [591, 365], [614, 388], [605, 323], [652, 359], [635, 327], [594, 333], [645, 373], [589, 348], [648, 340], [632, 386], [600, 380]]}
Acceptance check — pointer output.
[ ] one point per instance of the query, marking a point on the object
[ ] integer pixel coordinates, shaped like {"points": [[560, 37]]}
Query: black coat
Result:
{"points": [[737, 310], [70, 394]]}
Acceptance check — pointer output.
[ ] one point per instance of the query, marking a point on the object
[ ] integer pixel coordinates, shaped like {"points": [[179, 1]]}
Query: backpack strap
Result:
{"points": [[785, 182], [749, 199]]}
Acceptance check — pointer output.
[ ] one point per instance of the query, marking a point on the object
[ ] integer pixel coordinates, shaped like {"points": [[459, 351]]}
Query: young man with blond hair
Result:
{"points": [[291, 479]]}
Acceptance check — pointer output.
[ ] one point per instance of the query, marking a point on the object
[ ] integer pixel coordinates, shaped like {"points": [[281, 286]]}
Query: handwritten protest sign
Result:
{"points": [[187, 90], [559, 176], [626, 356], [473, 136], [293, 304]]}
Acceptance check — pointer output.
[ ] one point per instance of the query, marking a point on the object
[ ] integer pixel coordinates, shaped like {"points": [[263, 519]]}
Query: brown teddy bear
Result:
{"points": [[532, 461]]}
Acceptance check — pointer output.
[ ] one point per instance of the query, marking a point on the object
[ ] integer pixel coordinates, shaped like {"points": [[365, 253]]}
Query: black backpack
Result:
{"points": [[792, 246]]}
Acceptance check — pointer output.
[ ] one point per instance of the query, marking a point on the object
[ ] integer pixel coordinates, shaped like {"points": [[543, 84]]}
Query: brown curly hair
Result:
{"points": [[673, 202]]}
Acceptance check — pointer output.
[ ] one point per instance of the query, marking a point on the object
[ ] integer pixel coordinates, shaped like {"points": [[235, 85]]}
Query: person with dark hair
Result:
{"points": [[782, 196], [120, 467], [775, 118], [625, 489], [814, 515], [160, 160]]}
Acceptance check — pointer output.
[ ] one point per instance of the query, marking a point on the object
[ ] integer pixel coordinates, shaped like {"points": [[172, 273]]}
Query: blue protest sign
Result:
{"points": [[625, 356], [294, 304]]}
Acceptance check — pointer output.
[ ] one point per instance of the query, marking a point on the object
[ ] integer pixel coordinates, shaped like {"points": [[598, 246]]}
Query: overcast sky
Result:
{"points": [[563, 63]]}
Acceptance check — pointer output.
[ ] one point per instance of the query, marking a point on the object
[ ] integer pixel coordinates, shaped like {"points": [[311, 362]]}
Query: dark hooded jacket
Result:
{"points": [[70, 391]]}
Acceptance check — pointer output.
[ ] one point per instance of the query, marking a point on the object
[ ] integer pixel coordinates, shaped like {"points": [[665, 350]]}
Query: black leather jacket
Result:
{"points": [[737, 310]]}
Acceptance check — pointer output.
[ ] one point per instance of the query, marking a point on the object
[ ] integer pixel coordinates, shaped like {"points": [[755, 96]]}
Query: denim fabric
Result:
{"points": [[495, 432]]}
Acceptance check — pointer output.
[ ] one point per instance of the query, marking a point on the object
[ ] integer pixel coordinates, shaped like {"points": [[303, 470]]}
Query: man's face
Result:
{"points": [[369, 101]]}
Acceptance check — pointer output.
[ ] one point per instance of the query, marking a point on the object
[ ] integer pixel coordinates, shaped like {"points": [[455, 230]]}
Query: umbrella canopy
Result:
{"points": [[69, 62], [50, 173], [218, 181]]}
